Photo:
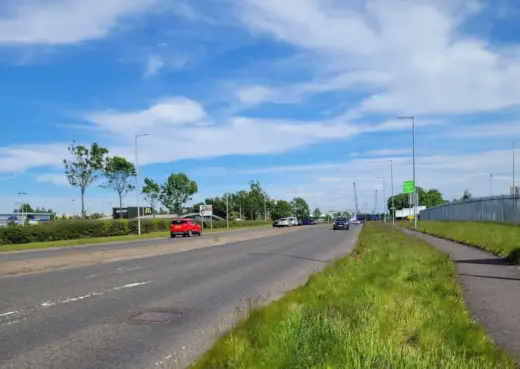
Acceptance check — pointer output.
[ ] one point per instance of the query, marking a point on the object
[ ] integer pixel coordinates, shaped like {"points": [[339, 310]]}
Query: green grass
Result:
{"points": [[98, 240], [497, 238], [394, 303]]}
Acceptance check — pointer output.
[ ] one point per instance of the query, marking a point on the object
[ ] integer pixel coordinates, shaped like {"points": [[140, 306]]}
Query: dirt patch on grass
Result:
{"points": [[77, 258]]}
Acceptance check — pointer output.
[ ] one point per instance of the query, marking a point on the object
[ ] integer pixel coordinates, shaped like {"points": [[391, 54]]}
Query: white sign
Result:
{"points": [[206, 210]]}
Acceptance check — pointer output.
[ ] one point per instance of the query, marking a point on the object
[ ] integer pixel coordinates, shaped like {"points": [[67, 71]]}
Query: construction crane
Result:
{"points": [[355, 199]]}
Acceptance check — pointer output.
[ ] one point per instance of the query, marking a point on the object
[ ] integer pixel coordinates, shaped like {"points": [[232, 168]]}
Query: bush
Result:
{"points": [[75, 229]]}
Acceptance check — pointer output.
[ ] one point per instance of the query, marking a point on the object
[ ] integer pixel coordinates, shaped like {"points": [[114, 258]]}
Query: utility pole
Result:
{"points": [[375, 203]]}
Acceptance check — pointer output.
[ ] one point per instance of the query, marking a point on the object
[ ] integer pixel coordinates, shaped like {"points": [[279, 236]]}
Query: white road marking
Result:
{"points": [[96, 293], [9, 313], [90, 276]]}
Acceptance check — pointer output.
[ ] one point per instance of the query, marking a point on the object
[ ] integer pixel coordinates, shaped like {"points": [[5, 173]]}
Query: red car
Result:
{"points": [[185, 227]]}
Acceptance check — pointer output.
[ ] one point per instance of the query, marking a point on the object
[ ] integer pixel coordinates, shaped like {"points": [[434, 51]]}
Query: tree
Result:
{"points": [[301, 208], [152, 192], [316, 213], [118, 173], [432, 197], [176, 191], [466, 195], [84, 168], [282, 209], [24, 208]]}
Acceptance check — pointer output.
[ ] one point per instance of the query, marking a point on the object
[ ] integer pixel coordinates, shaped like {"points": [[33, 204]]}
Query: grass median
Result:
{"points": [[113, 239], [394, 303], [499, 239]]}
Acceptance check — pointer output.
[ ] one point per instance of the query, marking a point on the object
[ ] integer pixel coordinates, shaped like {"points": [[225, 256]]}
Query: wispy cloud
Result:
{"points": [[64, 22]]}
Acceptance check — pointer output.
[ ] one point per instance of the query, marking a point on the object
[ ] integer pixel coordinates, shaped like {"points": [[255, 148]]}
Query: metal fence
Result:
{"points": [[484, 209]]}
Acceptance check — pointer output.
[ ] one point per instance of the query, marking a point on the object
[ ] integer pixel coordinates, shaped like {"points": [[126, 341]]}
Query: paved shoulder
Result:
{"points": [[491, 289]]}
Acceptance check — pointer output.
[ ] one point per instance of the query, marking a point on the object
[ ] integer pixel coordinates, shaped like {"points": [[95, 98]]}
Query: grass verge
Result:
{"points": [[394, 303], [98, 240], [499, 239]]}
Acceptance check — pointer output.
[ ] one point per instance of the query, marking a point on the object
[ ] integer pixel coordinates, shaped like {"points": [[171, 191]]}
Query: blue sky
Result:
{"points": [[301, 95]]}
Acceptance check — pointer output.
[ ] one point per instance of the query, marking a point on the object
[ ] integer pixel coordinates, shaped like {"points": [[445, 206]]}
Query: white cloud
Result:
{"points": [[413, 55], [384, 152], [153, 65], [165, 114], [157, 63], [62, 22], [17, 159], [59, 179]]}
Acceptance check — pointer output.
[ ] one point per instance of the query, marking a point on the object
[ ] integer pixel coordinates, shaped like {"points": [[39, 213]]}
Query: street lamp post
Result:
{"points": [[23, 206], [265, 203], [137, 182], [392, 186], [227, 209], [384, 197], [413, 164], [514, 188]]}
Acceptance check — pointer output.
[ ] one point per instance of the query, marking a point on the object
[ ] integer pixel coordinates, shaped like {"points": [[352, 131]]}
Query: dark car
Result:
{"points": [[341, 223]]}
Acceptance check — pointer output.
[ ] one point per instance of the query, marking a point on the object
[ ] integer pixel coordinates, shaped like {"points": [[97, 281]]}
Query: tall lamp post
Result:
{"points": [[392, 186], [384, 197], [227, 209], [514, 187], [413, 164], [137, 182], [265, 203], [23, 205]]}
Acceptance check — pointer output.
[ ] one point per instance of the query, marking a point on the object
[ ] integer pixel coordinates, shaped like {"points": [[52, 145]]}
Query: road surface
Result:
{"points": [[153, 312]]}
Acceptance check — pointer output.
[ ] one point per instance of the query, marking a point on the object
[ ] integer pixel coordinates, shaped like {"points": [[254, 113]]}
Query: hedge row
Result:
{"points": [[74, 229]]}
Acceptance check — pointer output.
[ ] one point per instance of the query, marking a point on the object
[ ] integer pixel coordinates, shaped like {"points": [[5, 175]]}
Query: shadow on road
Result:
{"points": [[494, 261], [490, 277], [288, 256]]}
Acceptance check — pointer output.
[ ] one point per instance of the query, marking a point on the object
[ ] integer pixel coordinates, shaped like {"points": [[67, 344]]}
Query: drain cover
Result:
{"points": [[154, 317]]}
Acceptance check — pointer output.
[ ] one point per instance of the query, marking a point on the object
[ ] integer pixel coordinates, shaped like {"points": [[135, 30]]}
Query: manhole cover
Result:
{"points": [[154, 317]]}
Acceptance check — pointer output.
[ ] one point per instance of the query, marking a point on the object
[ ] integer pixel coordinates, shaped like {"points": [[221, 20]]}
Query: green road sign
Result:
{"points": [[408, 186]]}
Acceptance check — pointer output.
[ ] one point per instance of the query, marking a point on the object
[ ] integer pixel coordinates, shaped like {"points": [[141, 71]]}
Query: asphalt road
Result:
{"points": [[85, 317], [86, 249]]}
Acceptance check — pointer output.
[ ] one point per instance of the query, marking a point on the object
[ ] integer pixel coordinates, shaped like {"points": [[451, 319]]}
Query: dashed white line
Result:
{"points": [[9, 313], [96, 293]]}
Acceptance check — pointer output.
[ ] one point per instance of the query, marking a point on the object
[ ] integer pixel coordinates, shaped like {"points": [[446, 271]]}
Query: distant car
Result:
{"points": [[300, 222], [283, 222], [275, 223], [292, 221], [340, 223], [184, 227]]}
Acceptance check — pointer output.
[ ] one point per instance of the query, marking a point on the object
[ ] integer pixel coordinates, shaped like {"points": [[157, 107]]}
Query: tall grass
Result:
{"points": [[394, 303], [500, 239]]}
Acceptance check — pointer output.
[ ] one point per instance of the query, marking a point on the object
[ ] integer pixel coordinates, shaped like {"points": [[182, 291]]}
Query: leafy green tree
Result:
{"points": [[466, 195], [176, 191], [301, 208], [152, 193], [85, 167], [282, 209], [118, 173], [429, 198], [316, 213], [24, 208]]}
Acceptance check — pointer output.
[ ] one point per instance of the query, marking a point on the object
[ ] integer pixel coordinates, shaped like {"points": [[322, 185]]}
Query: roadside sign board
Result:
{"points": [[206, 210], [408, 187]]}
